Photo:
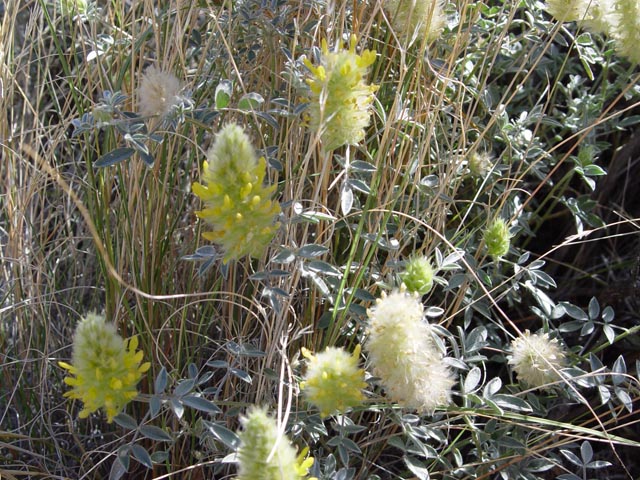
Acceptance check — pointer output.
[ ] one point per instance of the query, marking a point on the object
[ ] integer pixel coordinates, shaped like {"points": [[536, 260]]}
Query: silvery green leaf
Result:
{"points": [[201, 404], [155, 433], [594, 308], [492, 387], [574, 312], [572, 457], [117, 470], [609, 333], [586, 452], [323, 267], [417, 468], [161, 381], [177, 408], [223, 94], [619, 370], [125, 421], [624, 398], [346, 199], [154, 405], [115, 156], [433, 312], [512, 403], [472, 380], [140, 454], [312, 250], [226, 436], [241, 374], [184, 387], [361, 166], [251, 101]]}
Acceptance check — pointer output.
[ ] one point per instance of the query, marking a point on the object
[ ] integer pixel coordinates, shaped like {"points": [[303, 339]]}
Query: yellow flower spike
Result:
{"points": [[105, 369], [66, 366], [333, 382], [339, 107], [246, 190], [238, 206], [304, 463]]}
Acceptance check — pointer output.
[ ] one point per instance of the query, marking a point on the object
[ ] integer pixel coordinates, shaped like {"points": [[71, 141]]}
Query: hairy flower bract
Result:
{"points": [[333, 382], [567, 10], [403, 353], [238, 206], [340, 101], [105, 369], [536, 359]]}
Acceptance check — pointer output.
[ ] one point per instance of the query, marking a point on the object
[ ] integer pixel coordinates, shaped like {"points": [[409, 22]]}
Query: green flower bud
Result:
{"points": [[497, 238], [418, 275], [480, 164]]}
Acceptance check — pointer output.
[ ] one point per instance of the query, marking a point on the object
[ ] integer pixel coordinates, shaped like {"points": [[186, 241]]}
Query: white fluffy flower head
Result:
{"points": [[404, 355], [417, 19], [158, 93], [536, 359]]}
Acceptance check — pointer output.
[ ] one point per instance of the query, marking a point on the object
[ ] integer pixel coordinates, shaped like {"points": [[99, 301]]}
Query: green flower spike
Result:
{"points": [[105, 368], [480, 164], [238, 206], [265, 453]]}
